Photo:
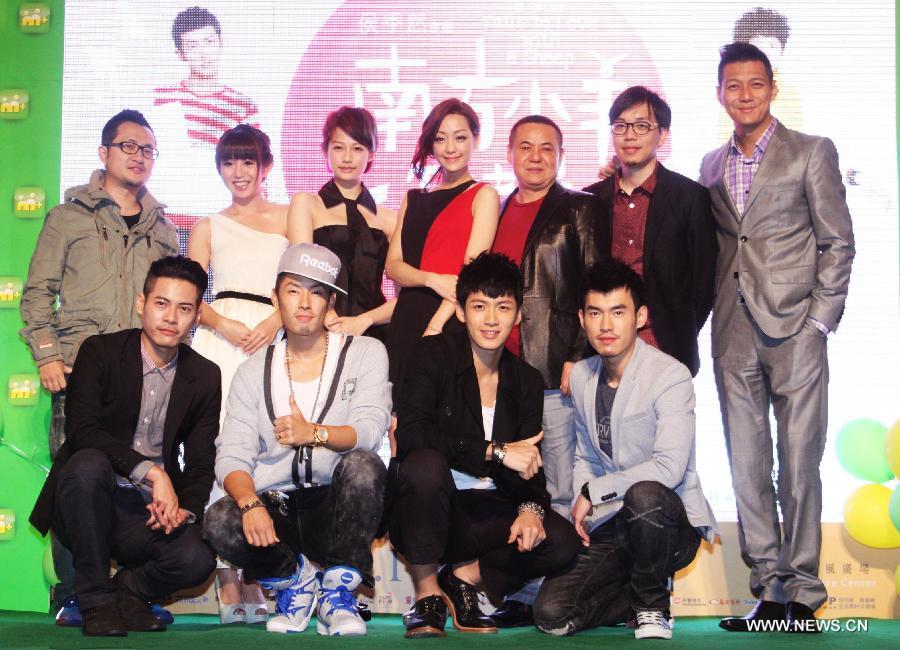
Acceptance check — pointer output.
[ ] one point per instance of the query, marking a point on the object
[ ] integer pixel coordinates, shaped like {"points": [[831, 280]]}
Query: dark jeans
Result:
{"points": [[99, 521], [434, 522], [331, 524], [627, 566], [62, 557]]}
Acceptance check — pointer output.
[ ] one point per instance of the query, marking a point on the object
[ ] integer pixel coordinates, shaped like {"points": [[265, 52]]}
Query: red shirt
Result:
{"points": [[510, 240], [629, 227]]}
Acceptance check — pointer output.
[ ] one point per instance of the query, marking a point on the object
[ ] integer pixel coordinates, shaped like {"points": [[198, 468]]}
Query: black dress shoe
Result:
{"points": [[103, 621], [426, 619], [512, 613], [800, 618], [137, 615], [462, 601], [765, 610]]}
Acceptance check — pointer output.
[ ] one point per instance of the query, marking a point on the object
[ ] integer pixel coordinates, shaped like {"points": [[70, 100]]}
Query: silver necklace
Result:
{"points": [[287, 365]]}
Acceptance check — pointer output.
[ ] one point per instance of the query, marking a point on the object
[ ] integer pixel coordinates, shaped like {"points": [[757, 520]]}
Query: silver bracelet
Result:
{"points": [[533, 508]]}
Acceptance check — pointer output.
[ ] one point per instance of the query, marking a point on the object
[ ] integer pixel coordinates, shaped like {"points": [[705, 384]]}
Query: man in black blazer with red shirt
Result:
{"points": [[470, 491], [133, 477], [661, 224]]}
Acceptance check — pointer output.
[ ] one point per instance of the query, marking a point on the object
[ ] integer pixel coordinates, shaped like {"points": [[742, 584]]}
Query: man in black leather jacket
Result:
{"points": [[549, 231]]}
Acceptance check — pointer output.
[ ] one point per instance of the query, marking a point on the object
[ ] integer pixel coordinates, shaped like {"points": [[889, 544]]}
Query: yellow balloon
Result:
{"points": [[892, 448], [867, 517]]}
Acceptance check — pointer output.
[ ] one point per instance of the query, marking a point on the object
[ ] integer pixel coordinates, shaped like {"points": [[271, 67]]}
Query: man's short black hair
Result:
{"points": [[492, 274], [111, 128], [760, 21], [741, 52], [535, 119], [611, 274], [177, 267], [639, 96], [193, 18]]}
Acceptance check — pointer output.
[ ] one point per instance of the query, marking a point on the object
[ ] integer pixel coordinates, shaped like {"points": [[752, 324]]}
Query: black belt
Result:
{"points": [[244, 296]]}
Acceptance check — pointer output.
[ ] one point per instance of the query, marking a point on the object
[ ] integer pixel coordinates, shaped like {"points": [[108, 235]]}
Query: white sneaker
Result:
{"points": [[295, 602], [652, 624], [338, 615]]}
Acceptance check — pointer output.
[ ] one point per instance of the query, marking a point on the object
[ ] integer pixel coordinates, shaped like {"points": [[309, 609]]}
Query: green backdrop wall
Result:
{"points": [[29, 156]]}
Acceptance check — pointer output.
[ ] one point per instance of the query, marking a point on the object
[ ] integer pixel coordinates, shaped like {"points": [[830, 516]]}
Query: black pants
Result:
{"points": [[62, 557], [627, 566], [434, 522], [100, 521], [331, 524]]}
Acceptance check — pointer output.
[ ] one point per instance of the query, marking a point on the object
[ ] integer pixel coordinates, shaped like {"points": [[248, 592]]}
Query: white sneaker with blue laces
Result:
{"points": [[338, 614], [295, 601]]}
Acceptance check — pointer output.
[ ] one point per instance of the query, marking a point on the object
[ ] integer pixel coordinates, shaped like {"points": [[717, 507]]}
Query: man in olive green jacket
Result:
{"points": [[89, 264]]}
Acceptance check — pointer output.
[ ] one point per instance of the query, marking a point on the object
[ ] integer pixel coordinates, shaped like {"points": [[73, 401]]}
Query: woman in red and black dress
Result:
{"points": [[439, 230]]}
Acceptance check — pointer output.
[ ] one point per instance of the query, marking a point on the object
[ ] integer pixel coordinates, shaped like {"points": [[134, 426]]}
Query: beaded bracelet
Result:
{"points": [[533, 508]]}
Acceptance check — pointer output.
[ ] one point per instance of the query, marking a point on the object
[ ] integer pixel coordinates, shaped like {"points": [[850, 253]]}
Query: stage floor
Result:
{"points": [[26, 630]]}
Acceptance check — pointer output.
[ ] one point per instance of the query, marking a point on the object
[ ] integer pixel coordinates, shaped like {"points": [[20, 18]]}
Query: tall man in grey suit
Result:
{"points": [[785, 250], [640, 510]]}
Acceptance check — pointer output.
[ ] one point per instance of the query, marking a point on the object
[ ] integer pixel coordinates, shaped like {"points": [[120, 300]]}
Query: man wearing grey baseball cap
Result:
{"points": [[296, 456]]}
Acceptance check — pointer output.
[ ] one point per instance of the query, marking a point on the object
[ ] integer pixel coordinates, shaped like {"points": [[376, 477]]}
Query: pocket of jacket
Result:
{"points": [[794, 275]]}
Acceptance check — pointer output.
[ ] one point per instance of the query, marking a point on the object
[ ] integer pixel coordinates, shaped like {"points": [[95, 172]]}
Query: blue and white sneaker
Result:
{"points": [[338, 614], [295, 599]]}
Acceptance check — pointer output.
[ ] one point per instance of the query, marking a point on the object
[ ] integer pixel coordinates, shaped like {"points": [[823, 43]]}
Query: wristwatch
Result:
{"points": [[498, 453], [320, 436]]}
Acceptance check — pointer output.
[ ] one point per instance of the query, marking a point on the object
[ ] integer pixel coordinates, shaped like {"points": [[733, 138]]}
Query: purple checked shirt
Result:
{"points": [[740, 169]]}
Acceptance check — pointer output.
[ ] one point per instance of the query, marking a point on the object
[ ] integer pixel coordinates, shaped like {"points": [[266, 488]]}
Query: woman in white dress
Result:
{"points": [[243, 244]]}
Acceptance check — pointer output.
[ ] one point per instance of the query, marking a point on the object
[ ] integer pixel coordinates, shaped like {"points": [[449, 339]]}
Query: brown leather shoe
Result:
{"points": [[765, 610], [103, 621], [136, 614]]}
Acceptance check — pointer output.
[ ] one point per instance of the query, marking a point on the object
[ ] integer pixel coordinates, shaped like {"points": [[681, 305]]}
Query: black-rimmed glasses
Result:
{"points": [[131, 148], [639, 128]]}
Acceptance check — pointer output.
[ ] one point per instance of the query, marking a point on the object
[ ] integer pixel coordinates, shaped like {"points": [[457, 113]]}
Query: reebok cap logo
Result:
{"points": [[322, 265]]}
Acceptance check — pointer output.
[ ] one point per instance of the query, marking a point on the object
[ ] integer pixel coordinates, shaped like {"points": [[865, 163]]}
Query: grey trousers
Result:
{"points": [[558, 450], [791, 375]]}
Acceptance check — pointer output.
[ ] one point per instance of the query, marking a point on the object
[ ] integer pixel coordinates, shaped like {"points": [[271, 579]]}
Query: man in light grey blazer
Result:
{"points": [[640, 510], [785, 250]]}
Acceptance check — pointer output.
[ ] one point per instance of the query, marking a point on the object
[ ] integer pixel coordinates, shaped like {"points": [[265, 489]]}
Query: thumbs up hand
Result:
{"points": [[293, 430], [524, 457]]}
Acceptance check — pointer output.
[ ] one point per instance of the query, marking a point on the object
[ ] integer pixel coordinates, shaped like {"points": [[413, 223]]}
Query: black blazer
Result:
{"points": [[680, 250], [558, 248], [103, 400], [440, 408]]}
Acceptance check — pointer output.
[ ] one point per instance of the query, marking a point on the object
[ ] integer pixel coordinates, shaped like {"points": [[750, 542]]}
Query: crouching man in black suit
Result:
{"points": [[470, 492], [132, 479]]}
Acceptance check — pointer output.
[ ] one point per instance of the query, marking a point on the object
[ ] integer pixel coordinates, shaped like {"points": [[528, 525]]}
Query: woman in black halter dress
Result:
{"points": [[344, 218]]}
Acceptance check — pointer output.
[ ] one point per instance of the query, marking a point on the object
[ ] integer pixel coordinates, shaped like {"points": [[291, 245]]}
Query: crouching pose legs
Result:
{"points": [[470, 490]]}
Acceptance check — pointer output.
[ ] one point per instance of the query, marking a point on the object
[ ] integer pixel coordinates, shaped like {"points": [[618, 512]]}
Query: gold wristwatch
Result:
{"points": [[320, 436]]}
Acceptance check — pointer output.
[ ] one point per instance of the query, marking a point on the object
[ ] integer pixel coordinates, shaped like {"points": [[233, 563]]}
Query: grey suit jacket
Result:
{"points": [[790, 253], [652, 431]]}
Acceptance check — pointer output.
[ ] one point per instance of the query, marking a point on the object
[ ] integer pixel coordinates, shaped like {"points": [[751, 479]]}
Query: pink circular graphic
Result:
{"points": [[400, 59]]}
